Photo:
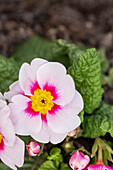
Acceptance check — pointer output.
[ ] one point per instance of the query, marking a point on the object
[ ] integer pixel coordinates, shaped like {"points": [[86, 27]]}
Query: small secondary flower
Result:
{"points": [[79, 161], [11, 147], [33, 148], [44, 102], [99, 167]]}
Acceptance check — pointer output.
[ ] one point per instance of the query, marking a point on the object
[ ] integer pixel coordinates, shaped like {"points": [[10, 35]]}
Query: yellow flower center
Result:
{"points": [[1, 137], [42, 101]]}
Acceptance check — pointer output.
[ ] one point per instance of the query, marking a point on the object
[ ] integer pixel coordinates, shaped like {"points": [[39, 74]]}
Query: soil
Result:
{"points": [[84, 22]]}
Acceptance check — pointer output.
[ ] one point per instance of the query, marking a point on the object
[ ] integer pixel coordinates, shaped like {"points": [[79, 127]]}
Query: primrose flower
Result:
{"points": [[44, 102], [11, 147], [33, 148], [78, 161], [99, 167]]}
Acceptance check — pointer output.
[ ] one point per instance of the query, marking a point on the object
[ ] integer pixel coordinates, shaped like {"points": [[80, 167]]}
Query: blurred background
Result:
{"points": [[84, 22]]}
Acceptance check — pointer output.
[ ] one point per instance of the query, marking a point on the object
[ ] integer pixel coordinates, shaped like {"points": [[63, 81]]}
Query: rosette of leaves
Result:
{"points": [[99, 123]]}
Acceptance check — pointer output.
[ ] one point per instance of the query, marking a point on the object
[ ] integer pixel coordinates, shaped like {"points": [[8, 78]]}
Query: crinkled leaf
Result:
{"points": [[55, 151], [49, 165], [100, 123], [86, 72], [56, 157], [64, 166], [37, 47], [55, 154], [8, 72]]}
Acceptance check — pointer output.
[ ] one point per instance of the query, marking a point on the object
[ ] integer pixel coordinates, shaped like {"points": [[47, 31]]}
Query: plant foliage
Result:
{"points": [[99, 123], [86, 72]]}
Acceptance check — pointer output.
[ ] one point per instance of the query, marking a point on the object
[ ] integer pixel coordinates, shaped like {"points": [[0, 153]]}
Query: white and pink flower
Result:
{"points": [[11, 147], [33, 148], [44, 102], [79, 161]]}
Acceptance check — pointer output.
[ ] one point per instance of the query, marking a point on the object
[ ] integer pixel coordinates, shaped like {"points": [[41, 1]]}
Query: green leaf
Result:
{"points": [[37, 47], [100, 123], [55, 155], [107, 155], [49, 165], [64, 166], [69, 49], [86, 72], [110, 77], [4, 167], [81, 115], [55, 151], [104, 150], [103, 60], [8, 72], [33, 163]]}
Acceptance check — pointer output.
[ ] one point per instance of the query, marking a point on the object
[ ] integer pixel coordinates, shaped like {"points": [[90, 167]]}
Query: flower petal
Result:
{"points": [[26, 78], [47, 135], [56, 138], [12, 156], [27, 75], [76, 104], [2, 101], [36, 63], [63, 120], [43, 135], [54, 75], [7, 130], [24, 123], [1, 96], [14, 90], [4, 109], [6, 126]]}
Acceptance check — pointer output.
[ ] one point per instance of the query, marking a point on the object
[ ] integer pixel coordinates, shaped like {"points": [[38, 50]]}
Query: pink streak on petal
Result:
{"points": [[43, 117], [30, 111], [34, 87], [2, 145], [54, 109], [51, 89]]}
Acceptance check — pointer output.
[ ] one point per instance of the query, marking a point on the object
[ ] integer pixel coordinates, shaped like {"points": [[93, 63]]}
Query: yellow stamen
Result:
{"points": [[42, 101], [1, 137]]}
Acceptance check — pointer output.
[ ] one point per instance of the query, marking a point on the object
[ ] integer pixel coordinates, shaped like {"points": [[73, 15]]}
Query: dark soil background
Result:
{"points": [[84, 22]]}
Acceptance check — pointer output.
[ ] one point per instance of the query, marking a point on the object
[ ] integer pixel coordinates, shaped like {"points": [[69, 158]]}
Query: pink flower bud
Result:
{"points": [[99, 167], [33, 148], [79, 161], [72, 133]]}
